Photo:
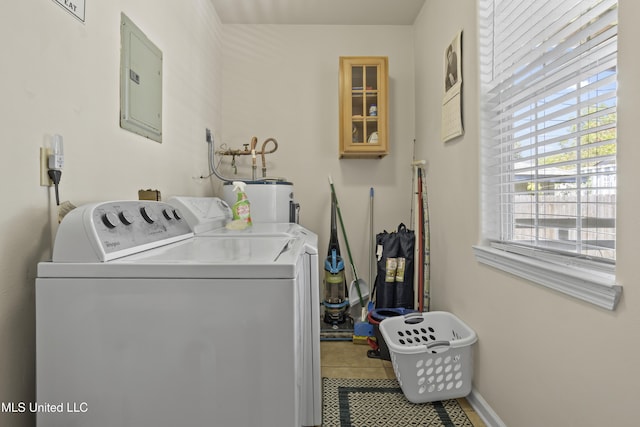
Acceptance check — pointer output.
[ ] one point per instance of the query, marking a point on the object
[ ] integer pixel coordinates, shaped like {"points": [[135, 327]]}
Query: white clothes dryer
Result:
{"points": [[142, 322]]}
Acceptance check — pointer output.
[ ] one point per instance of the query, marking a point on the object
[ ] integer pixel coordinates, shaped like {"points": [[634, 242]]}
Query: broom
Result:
{"points": [[356, 281]]}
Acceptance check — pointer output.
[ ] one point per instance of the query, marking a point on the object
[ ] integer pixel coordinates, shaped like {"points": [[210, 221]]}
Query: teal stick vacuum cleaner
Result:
{"points": [[335, 300]]}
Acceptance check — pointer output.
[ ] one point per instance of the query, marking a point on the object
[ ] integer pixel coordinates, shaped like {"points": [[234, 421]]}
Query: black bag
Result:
{"points": [[394, 279]]}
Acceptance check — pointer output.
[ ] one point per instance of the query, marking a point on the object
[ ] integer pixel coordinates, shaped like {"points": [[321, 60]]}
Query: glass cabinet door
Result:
{"points": [[363, 105]]}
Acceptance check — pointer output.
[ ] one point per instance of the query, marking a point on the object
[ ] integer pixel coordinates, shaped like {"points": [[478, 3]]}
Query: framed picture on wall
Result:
{"points": [[452, 99]]}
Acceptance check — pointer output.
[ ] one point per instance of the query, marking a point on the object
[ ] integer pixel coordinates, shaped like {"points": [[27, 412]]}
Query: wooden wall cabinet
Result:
{"points": [[364, 112]]}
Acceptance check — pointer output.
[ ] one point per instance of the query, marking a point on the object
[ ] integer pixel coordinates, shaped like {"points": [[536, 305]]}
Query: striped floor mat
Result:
{"points": [[380, 403]]}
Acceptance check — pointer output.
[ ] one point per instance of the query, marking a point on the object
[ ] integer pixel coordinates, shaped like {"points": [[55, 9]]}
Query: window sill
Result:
{"points": [[593, 286]]}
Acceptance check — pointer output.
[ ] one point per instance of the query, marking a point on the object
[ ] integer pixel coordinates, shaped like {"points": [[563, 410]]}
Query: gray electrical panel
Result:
{"points": [[140, 82]]}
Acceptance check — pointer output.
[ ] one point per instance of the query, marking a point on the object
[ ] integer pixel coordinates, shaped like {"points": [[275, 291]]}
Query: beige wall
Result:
{"points": [[58, 75], [282, 81], [542, 359]]}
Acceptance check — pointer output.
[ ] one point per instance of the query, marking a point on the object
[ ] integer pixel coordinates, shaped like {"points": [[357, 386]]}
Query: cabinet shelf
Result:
{"points": [[363, 106]]}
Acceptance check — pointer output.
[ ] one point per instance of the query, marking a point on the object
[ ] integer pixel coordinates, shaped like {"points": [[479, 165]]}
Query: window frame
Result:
{"points": [[578, 276]]}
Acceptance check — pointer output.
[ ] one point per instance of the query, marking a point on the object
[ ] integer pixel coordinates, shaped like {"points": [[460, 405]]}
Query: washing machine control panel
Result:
{"points": [[203, 213], [109, 230]]}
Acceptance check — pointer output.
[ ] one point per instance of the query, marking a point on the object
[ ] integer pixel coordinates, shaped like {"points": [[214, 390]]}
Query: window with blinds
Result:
{"points": [[549, 93]]}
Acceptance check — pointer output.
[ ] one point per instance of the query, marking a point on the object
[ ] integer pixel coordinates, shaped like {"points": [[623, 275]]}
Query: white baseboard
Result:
{"points": [[482, 408]]}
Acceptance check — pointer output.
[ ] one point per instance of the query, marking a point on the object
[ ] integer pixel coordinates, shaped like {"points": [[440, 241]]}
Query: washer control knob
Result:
{"points": [[126, 217], [177, 215], [167, 214], [110, 219], [148, 215]]}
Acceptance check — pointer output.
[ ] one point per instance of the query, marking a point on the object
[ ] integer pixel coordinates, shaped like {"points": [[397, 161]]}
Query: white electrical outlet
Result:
{"points": [[45, 181]]}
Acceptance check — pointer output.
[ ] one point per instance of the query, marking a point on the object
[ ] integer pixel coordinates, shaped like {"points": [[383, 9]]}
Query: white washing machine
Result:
{"points": [[141, 322]]}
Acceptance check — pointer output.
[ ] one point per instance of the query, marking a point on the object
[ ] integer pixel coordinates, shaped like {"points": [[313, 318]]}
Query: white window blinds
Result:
{"points": [[549, 93]]}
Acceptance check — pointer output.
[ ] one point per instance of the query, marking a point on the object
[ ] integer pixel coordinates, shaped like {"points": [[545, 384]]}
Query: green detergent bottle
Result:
{"points": [[241, 209]]}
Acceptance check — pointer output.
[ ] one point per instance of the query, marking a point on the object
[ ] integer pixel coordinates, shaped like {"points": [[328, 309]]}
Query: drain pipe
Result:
{"points": [[212, 165], [263, 153], [254, 166]]}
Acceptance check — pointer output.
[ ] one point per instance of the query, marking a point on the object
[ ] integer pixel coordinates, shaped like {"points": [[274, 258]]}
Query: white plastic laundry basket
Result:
{"points": [[431, 355]]}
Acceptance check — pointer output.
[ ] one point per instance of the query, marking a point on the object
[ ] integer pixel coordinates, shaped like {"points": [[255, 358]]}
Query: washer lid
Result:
{"points": [[250, 258], [258, 229], [234, 251]]}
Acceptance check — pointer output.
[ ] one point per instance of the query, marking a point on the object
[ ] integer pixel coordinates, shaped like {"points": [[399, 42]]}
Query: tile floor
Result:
{"points": [[344, 359]]}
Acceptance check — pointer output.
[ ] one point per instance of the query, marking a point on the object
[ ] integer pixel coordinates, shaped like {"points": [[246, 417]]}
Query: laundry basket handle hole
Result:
{"points": [[438, 344], [413, 318]]}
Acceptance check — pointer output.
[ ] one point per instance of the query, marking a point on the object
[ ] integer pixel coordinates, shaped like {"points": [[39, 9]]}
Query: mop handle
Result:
{"points": [[346, 241]]}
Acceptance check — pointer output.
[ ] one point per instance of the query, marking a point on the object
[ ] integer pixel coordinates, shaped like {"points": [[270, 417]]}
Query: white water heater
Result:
{"points": [[271, 201]]}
